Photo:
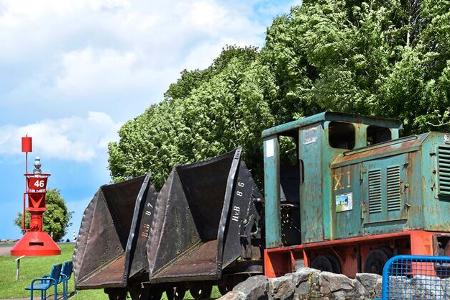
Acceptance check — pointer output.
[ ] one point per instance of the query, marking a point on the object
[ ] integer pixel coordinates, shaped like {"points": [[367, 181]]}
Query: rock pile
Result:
{"points": [[419, 287], [308, 283]]}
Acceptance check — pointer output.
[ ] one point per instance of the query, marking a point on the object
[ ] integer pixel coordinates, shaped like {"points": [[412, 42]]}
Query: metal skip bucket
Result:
{"points": [[204, 220], [110, 247]]}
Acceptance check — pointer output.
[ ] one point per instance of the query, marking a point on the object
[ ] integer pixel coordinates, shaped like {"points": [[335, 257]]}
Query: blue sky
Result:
{"points": [[71, 72]]}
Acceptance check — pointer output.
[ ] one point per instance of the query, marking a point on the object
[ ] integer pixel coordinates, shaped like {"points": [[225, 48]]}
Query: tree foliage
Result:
{"points": [[56, 217], [388, 58], [228, 109]]}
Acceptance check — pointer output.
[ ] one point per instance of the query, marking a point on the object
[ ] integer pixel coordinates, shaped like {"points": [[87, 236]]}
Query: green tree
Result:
{"points": [[227, 109], [379, 57], [388, 58], [56, 217], [190, 80]]}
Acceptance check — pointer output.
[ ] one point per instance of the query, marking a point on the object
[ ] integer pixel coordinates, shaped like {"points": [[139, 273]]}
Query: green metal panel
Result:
{"points": [[328, 155], [360, 135], [379, 151], [311, 204], [413, 189], [384, 193], [332, 220], [403, 186], [435, 202], [347, 201], [272, 191]]}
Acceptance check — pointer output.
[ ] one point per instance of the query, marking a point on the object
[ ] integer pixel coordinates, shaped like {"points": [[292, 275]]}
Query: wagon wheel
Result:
{"points": [[227, 284], [224, 287], [201, 291], [136, 292], [116, 293], [154, 294], [175, 293]]}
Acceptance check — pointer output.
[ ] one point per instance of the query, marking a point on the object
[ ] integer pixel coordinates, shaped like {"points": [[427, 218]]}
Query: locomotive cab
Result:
{"points": [[302, 177]]}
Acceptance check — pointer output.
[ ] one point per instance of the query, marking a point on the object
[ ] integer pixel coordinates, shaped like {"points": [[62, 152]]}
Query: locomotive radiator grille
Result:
{"points": [[444, 170], [393, 188], [374, 191]]}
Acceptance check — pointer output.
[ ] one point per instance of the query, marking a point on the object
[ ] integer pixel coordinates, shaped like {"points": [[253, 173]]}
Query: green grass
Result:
{"points": [[34, 267]]}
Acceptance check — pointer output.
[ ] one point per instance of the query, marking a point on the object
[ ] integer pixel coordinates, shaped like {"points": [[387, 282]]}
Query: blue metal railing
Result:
{"points": [[416, 277]]}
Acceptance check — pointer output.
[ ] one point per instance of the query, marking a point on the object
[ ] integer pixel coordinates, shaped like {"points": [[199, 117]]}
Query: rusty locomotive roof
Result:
{"points": [[332, 116], [389, 148]]}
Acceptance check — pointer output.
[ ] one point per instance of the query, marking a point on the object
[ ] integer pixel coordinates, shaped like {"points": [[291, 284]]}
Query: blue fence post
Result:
{"points": [[385, 283]]}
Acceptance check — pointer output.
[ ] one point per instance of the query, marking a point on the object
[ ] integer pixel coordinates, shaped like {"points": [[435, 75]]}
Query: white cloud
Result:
{"points": [[86, 70], [104, 55], [74, 138], [204, 15], [60, 59]]}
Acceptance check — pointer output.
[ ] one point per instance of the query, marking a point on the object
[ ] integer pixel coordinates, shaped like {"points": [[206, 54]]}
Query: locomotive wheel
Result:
{"points": [[336, 265], [443, 269], [175, 293], [328, 263], [201, 291], [375, 261]]}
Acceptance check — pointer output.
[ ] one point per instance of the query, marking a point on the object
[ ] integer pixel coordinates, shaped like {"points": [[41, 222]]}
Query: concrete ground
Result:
{"points": [[4, 250]]}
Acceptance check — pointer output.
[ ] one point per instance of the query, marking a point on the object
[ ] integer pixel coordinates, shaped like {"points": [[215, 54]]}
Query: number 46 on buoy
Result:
{"points": [[37, 183]]}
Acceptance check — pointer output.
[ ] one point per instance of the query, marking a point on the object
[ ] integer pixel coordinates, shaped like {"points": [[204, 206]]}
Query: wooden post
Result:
{"points": [[18, 266]]}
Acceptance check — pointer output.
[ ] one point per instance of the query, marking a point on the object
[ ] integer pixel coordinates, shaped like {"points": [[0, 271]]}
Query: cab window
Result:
{"points": [[341, 135], [376, 134]]}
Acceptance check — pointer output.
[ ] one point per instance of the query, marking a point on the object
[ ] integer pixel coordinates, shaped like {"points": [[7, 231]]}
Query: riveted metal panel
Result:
{"points": [[272, 192], [346, 201], [311, 204], [385, 194], [435, 203]]}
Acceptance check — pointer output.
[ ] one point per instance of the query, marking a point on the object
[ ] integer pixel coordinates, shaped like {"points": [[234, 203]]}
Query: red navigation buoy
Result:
{"points": [[35, 241]]}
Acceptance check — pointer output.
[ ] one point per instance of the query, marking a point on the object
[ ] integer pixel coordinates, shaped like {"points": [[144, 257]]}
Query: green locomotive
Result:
{"points": [[355, 193]]}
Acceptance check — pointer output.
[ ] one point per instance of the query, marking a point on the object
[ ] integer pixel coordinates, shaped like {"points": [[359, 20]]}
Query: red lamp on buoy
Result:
{"points": [[35, 241]]}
